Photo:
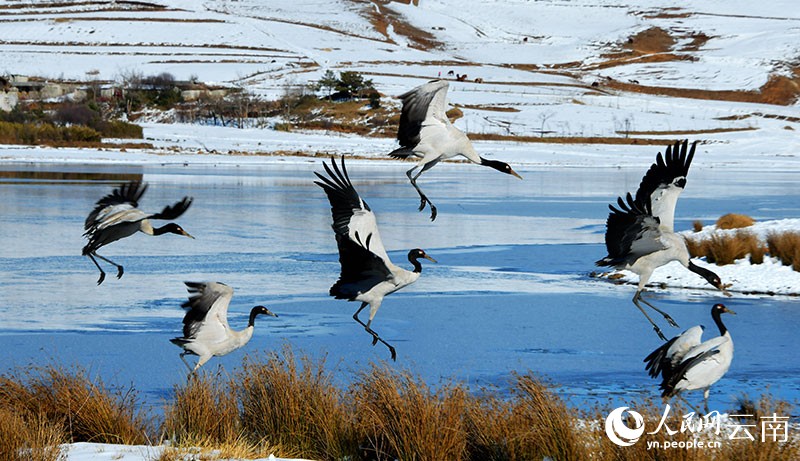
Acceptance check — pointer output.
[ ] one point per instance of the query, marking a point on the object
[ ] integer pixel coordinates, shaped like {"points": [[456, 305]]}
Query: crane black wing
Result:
{"points": [[363, 259], [670, 381], [668, 357], [665, 180], [207, 306], [128, 193], [173, 211], [420, 104], [631, 232]]}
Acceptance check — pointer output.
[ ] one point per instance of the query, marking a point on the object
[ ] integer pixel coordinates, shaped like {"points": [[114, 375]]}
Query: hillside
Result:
{"points": [[576, 70]]}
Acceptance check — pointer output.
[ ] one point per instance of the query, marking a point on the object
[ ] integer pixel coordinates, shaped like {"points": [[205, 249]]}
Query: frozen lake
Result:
{"points": [[511, 291]]}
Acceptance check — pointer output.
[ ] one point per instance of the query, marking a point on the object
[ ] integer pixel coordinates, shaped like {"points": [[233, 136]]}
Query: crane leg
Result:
{"points": [[696, 410], [188, 367], [422, 197], [375, 337], [666, 316], [636, 299], [102, 272], [120, 270]]}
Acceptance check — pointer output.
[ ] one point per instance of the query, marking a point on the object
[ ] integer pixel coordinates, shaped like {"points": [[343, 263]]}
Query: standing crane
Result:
{"points": [[686, 364], [426, 132], [116, 216], [367, 273]]}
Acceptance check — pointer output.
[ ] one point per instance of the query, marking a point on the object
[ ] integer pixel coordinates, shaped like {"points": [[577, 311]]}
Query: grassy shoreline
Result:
{"points": [[288, 405]]}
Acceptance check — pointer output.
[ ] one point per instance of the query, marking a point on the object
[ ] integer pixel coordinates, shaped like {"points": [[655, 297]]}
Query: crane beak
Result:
{"points": [[516, 174], [266, 311], [429, 258], [728, 311], [184, 233]]}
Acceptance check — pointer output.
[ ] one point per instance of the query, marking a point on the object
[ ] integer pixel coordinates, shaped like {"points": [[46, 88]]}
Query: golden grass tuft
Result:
{"points": [[203, 413], [401, 418], [27, 436], [534, 424], [786, 247], [725, 249], [290, 407], [87, 410], [293, 405], [734, 221], [757, 450]]}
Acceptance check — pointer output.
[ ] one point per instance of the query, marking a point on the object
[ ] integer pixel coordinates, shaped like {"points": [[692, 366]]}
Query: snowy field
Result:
{"points": [[511, 291]]}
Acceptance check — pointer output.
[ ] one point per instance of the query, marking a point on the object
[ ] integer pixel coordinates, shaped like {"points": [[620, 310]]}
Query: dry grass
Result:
{"points": [[293, 405], [26, 436], [786, 247], [734, 221], [84, 407], [204, 413], [722, 249], [401, 418], [725, 248], [697, 225], [534, 424], [290, 407]]}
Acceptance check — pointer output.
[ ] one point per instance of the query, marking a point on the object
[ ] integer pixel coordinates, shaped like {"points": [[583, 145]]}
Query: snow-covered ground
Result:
{"points": [[85, 451]]}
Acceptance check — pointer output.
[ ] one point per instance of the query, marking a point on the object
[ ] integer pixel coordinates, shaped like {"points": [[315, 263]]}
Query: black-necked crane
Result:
{"points": [[640, 235], [367, 273], [116, 216], [206, 332], [687, 364], [426, 132]]}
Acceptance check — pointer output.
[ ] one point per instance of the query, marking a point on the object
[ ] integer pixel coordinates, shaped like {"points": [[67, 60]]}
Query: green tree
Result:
{"points": [[328, 81]]}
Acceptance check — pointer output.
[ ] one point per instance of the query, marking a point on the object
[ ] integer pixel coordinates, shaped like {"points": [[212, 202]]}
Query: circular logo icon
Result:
{"points": [[619, 432]]}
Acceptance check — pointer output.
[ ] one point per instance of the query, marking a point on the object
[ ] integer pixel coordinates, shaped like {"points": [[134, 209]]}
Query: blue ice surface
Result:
{"points": [[511, 292]]}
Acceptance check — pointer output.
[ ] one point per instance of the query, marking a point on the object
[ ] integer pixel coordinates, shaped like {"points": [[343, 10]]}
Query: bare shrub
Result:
{"points": [[697, 225], [734, 221], [75, 114]]}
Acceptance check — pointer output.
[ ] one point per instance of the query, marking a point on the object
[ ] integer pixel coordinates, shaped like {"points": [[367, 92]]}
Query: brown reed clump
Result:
{"points": [[85, 408], [697, 225], [293, 405], [734, 221], [204, 413], [760, 416], [400, 417], [26, 436], [698, 247], [542, 424], [786, 247], [724, 248]]}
